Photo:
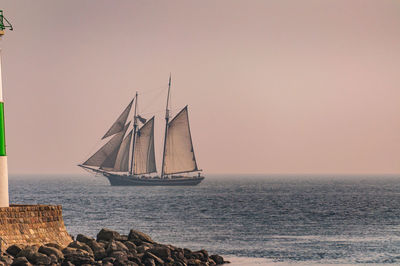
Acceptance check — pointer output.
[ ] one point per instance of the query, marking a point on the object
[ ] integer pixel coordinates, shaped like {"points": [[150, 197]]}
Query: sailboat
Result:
{"points": [[128, 157]]}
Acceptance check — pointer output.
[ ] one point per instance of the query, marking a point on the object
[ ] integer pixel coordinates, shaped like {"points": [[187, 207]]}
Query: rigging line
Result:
{"points": [[161, 111], [153, 90], [152, 101]]}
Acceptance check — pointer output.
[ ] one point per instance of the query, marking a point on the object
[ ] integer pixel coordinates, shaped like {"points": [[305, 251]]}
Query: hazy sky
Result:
{"points": [[272, 86]]}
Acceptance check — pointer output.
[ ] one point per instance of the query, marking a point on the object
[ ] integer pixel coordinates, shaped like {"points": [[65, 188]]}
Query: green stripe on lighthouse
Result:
{"points": [[2, 131]]}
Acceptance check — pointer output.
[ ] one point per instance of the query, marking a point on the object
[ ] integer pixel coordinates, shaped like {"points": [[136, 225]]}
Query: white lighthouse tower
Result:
{"points": [[4, 199]]}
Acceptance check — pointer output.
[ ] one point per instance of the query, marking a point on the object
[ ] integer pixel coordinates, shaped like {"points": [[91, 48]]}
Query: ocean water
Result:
{"points": [[252, 220]]}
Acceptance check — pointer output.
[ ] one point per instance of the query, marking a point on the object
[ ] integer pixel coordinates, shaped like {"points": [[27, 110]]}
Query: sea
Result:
{"points": [[248, 219]]}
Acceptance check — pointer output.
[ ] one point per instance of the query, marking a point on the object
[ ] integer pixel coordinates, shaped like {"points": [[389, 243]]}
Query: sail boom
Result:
{"points": [[197, 170]]}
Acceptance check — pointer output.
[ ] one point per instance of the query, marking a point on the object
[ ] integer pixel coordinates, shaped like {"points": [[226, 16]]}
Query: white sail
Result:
{"points": [[144, 159], [122, 160], [119, 124], [106, 155], [179, 155]]}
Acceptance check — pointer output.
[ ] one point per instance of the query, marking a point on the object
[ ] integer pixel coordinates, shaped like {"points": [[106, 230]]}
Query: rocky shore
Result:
{"points": [[110, 248]]}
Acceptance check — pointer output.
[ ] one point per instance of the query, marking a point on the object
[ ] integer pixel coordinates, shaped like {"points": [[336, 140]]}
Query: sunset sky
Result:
{"points": [[272, 86]]}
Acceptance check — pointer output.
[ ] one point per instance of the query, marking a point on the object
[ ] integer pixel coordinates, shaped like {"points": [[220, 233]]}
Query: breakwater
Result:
{"points": [[109, 248]]}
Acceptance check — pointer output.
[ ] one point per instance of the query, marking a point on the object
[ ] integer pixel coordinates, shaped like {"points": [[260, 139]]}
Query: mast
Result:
{"points": [[134, 136], [166, 126]]}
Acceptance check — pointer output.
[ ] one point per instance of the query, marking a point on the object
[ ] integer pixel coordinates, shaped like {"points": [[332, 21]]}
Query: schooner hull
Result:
{"points": [[120, 180]]}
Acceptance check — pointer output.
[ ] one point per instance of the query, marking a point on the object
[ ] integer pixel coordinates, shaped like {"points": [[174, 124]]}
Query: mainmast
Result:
{"points": [[134, 136], [166, 126]]}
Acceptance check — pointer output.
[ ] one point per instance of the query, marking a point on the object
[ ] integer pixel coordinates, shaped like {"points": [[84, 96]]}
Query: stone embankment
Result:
{"points": [[110, 248]]}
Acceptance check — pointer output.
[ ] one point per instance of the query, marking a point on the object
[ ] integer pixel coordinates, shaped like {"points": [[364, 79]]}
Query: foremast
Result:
{"points": [[134, 137], [166, 127]]}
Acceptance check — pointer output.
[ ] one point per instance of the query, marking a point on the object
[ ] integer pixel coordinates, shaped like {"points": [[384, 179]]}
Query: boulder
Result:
{"points": [[21, 261], [6, 259], [211, 262], [66, 263], [205, 253], [98, 249], [125, 263], [54, 245], [78, 256], [149, 262], [54, 259], [28, 251], [188, 253], [135, 259], [109, 259], [157, 260], [107, 235], [142, 249], [217, 259], [131, 246], [84, 239], [68, 250], [162, 252], [51, 251], [80, 245], [119, 255], [14, 249], [32, 254], [193, 262], [136, 235], [114, 246], [40, 259]]}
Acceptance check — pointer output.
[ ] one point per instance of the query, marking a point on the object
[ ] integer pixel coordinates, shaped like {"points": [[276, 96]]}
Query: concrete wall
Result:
{"points": [[32, 224]]}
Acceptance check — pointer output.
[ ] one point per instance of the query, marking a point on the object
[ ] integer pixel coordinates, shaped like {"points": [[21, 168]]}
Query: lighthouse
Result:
{"points": [[4, 199]]}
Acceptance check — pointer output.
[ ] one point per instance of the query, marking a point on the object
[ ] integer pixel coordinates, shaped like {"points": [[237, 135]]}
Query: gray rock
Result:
{"points": [[135, 259], [78, 257], [149, 262], [28, 251], [109, 259], [80, 245], [66, 263], [116, 246], [54, 245], [217, 259], [107, 235], [14, 249], [162, 252], [68, 250], [211, 262], [21, 261], [131, 246], [84, 239], [6, 259], [51, 251], [119, 255], [54, 259], [98, 249], [142, 248], [157, 260], [32, 254], [134, 235], [40, 259]]}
